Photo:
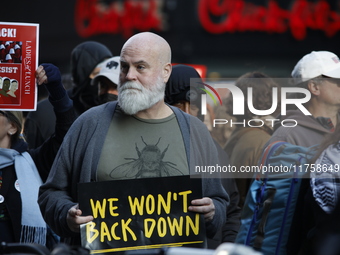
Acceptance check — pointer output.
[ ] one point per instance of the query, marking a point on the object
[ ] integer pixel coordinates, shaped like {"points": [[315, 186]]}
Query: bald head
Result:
{"points": [[145, 54], [145, 68], [150, 43]]}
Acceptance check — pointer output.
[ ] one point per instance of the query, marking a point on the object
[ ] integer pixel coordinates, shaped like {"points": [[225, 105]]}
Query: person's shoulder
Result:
{"points": [[100, 109], [283, 131], [101, 113], [295, 117]]}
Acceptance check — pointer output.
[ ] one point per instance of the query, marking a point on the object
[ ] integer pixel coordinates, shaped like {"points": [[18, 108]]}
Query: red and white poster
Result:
{"points": [[19, 44]]}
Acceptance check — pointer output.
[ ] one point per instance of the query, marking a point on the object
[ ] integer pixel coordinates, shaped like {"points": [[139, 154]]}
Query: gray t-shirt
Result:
{"points": [[142, 148]]}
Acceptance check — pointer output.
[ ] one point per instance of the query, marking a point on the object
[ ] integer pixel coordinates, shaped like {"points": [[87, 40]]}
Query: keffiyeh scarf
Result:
{"points": [[325, 180]]}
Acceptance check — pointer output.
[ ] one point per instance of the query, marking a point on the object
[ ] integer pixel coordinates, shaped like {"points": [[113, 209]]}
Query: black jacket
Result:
{"points": [[39, 125], [43, 158]]}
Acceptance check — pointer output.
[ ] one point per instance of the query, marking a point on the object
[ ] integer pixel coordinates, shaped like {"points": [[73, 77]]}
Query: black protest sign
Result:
{"points": [[141, 214]]}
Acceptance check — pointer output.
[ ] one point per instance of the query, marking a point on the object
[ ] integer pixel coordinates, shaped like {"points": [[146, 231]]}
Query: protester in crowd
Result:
{"points": [[94, 145], [23, 170], [313, 72], [107, 80], [179, 93], [325, 189], [325, 180], [317, 72], [183, 90], [86, 58], [244, 146]]}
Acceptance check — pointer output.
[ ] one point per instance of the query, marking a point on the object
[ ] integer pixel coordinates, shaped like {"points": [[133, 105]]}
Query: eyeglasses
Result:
{"points": [[2, 113]]}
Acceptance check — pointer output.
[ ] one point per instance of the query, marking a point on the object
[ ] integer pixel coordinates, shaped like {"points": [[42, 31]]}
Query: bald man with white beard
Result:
{"points": [[102, 138]]}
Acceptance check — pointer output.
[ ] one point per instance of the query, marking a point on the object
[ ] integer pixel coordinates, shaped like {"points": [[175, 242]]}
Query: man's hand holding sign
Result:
{"points": [[142, 216]]}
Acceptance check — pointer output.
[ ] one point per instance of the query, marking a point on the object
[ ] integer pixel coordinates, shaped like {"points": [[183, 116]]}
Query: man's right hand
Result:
{"points": [[74, 218]]}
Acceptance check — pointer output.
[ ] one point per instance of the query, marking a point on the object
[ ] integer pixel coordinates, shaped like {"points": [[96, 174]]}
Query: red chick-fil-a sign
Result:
{"points": [[242, 16], [93, 17]]}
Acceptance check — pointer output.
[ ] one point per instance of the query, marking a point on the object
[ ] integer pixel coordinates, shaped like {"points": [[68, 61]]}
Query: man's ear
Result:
{"points": [[314, 87], [167, 71]]}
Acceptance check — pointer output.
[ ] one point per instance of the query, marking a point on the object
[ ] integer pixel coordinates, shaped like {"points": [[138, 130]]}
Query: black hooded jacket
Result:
{"points": [[84, 58], [39, 124], [180, 88]]}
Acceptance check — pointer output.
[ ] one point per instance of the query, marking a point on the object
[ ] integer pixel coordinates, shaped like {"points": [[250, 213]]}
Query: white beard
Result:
{"points": [[133, 97]]}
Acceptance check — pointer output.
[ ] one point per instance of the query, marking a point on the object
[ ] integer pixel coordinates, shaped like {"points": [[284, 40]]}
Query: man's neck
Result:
{"points": [[158, 111], [326, 112]]}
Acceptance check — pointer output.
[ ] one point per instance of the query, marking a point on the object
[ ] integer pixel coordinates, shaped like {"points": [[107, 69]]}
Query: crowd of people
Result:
{"points": [[79, 134]]}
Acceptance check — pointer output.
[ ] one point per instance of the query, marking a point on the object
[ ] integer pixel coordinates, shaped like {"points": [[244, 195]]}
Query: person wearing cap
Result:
{"points": [[183, 90], [103, 137], [319, 73], [179, 93], [107, 80], [23, 170], [86, 58]]}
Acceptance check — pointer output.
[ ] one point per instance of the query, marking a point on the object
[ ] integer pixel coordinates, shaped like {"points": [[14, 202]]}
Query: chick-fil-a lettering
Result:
{"points": [[242, 16], [93, 18]]}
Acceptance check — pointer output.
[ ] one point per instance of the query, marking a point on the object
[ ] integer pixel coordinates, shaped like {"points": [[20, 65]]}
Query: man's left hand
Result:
{"points": [[205, 206]]}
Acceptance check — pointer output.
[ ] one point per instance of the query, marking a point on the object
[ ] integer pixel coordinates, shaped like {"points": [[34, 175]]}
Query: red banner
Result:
{"points": [[18, 56]]}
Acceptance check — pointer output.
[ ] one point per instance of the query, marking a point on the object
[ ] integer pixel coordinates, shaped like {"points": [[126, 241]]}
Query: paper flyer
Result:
{"points": [[19, 47]]}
